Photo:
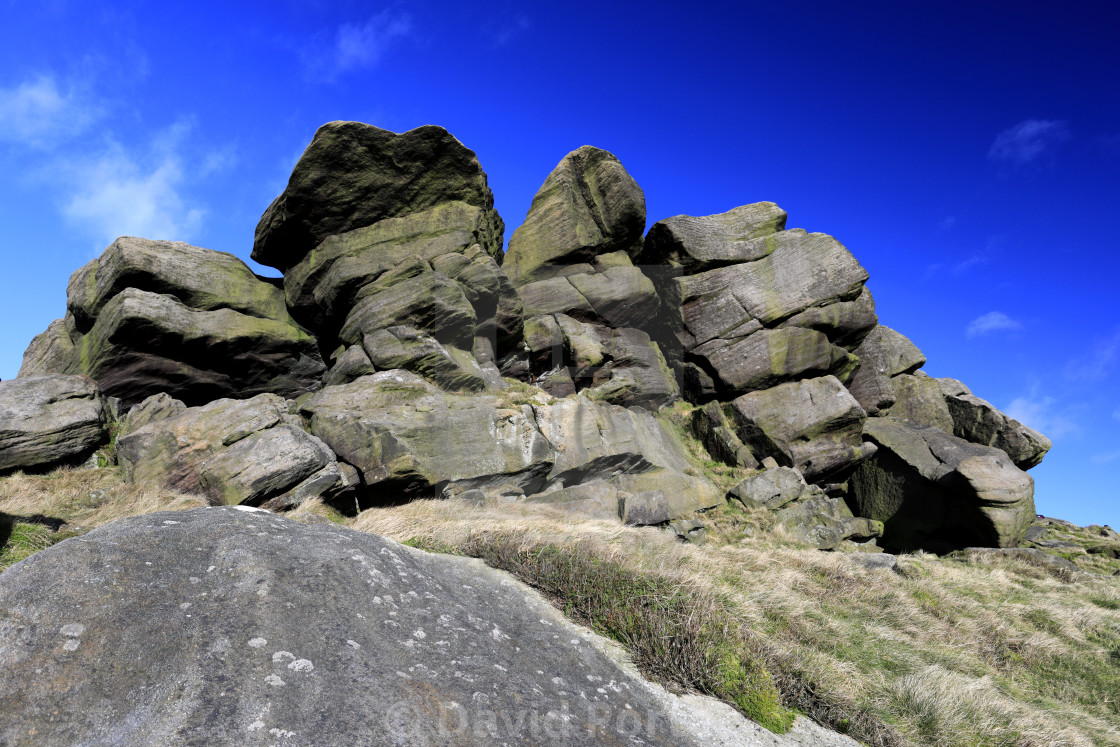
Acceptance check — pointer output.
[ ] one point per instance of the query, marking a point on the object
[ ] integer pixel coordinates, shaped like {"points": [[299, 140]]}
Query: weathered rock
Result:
{"points": [[936, 492], [588, 206], [350, 364], [918, 398], [159, 316], [233, 451], [686, 245], [646, 508], [803, 270], [202, 279], [50, 351], [826, 522], [976, 420], [410, 349], [50, 420], [408, 437], [772, 356], [595, 440], [594, 499], [772, 488], [153, 409], [813, 425], [847, 323], [883, 354], [683, 493], [353, 175], [222, 626], [621, 366], [710, 425]]}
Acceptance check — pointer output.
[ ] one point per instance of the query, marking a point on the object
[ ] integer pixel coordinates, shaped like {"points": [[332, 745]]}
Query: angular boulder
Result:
{"points": [[978, 421], [936, 492], [583, 298], [813, 425], [377, 230], [353, 175], [588, 206], [250, 452], [161, 316], [883, 355], [233, 626], [747, 304], [51, 420]]}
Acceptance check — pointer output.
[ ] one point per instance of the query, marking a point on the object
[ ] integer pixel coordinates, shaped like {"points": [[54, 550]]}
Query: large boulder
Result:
{"points": [[378, 230], [46, 421], [233, 626], [249, 452], [978, 421], [747, 304], [588, 206], [883, 355], [161, 316], [936, 492], [353, 175], [814, 425], [409, 438], [583, 298]]}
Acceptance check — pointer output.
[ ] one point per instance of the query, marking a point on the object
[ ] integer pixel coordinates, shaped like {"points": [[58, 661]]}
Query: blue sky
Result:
{"points": [[968, 154]]}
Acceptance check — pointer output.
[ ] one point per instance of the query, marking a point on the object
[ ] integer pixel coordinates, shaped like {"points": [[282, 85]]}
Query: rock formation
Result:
{"points": [[403, 354]]}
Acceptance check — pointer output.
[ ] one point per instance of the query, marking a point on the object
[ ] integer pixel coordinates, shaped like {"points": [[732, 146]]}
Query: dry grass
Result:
{"points": [[945, 651], [37, 511], [969, 650]]}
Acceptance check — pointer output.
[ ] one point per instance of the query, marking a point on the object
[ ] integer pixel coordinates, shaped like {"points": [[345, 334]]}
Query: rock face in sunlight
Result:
{"points": [[161, 316], [590, 368], [50, 420], [220, 626]]}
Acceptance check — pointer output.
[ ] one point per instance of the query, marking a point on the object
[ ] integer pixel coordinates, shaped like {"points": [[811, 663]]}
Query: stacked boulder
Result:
{"points": [[388, 245], [584, 299], [161, 316], [402, 354]]}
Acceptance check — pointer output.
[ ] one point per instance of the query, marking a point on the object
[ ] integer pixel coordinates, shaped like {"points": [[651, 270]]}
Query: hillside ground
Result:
{"points": [[963, 649]]}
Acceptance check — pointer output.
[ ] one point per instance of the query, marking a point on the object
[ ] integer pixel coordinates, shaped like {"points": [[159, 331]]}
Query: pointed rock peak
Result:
{"points": [[353, 175], [588, 206]]}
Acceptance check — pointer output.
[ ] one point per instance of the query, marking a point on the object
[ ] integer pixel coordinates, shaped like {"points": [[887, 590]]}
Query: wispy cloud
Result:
{"points": [[1028, 140], [1105, 458], [1098, 362], [123, 192], [947, 222], [1116, 413], [507, 27], [1044, 414], [993, 321], [37, 113], [358, 46]]}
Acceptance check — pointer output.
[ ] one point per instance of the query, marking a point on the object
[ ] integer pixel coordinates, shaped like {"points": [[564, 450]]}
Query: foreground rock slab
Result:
{"points": [[235, 626]]}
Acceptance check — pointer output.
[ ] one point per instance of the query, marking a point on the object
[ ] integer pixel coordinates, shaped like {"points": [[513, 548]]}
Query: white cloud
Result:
{"points": [[140, 191], [37, 114], [1098, 362], [357, 46], [993, 321], [1042, 414], [1027, 140]]}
